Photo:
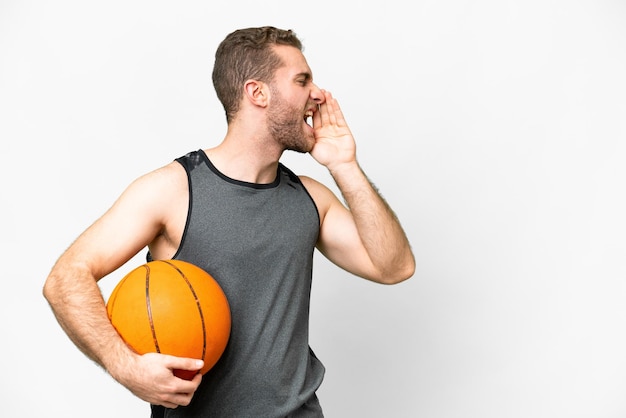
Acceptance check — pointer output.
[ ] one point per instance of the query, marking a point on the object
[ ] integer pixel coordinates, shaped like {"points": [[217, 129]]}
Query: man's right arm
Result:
{"points": [[71, 289]]}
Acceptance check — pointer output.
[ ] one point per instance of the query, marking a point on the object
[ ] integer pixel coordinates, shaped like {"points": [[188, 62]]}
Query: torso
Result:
{"points": [[176, 205], [257, 241]]}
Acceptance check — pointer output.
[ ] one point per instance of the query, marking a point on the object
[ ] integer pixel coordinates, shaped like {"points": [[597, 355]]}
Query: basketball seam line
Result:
{"points": [[195, 296], [149, 307]]}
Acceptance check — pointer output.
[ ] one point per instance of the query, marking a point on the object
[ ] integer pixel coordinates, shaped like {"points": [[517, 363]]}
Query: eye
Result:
{"points": [[303, 79]]}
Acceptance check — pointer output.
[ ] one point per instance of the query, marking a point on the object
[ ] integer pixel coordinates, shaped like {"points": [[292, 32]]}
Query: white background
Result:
{"points": [[495, 129]]}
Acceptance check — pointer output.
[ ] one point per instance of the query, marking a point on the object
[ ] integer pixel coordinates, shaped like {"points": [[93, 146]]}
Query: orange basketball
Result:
{"points": [[172, 307]]}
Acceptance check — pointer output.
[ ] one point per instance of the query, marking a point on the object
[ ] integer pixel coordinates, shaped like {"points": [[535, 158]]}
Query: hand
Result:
{"points": [[334, 143], [151, 377]]}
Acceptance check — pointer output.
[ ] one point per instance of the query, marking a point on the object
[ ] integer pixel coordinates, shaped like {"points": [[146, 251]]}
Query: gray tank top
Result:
{"points": [[257, 241]]}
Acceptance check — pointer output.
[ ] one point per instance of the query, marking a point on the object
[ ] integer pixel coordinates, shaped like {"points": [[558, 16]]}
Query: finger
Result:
{"points": [[324, 110], [330, 107], [182, 399], [183, 363], [184, 368], [189, 386], [175, 400], [184, 393], [337, 117], [317, 118]]}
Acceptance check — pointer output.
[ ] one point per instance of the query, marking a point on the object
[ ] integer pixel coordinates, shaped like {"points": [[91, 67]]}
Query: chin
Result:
{"points": [[303, 145], [299, 149]]}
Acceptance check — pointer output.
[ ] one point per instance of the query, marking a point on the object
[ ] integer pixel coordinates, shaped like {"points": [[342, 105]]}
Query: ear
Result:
{"points": [[257, 92]]}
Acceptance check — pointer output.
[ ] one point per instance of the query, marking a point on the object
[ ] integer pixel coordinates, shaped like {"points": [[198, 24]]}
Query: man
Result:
{"points": [[238, 213]]}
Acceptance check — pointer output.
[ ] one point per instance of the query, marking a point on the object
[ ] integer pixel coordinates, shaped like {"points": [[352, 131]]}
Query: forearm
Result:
{"points": [[379, 229], [78, 305]]}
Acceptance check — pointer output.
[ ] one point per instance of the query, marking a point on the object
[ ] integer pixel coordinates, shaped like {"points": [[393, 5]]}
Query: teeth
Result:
{"points": [[307, 117]]}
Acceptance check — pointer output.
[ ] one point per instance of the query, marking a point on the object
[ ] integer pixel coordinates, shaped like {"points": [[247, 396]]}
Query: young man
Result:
{"points": [[238, 213]]}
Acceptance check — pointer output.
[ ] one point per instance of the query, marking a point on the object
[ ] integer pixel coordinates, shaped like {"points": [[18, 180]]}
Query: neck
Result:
{"points": [[246, 156]]}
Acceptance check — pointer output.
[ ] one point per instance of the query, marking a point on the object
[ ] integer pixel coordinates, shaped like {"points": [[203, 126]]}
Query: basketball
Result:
{"points": [[172, 307]]}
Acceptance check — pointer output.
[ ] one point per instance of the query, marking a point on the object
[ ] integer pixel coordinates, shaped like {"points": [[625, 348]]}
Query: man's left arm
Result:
{"points": [[365, 237]]}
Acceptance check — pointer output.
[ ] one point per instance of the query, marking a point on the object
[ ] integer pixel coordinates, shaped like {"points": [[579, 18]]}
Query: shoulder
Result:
{"points": [[168, 177], [314, 187], [156, 203], [323, 197], [157, 188]]}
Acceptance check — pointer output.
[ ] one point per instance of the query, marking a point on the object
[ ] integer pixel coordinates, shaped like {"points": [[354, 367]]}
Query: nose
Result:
{"points": [[317, 95]]}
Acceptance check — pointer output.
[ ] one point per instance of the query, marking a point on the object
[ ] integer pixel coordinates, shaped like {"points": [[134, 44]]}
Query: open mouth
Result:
{"points": [[308, 118]]}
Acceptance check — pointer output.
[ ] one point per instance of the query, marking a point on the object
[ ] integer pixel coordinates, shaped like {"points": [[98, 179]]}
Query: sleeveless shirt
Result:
{"points": [[257, 241]]}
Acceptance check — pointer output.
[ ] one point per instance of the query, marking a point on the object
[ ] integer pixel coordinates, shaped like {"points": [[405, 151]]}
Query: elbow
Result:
{"points": [[398, 278], [401, 272], [48, 289], [52, 289]]}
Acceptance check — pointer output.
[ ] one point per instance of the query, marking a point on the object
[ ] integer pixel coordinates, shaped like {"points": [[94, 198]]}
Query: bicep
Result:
{"points": [[339, 240], [133, 221]]}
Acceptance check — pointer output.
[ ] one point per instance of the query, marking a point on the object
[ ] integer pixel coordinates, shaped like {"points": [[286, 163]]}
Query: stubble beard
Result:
{"points": [[285, 126]]}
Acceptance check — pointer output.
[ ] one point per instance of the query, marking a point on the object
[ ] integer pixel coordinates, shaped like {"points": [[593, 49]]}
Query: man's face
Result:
{"points": [[293, 100]]}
